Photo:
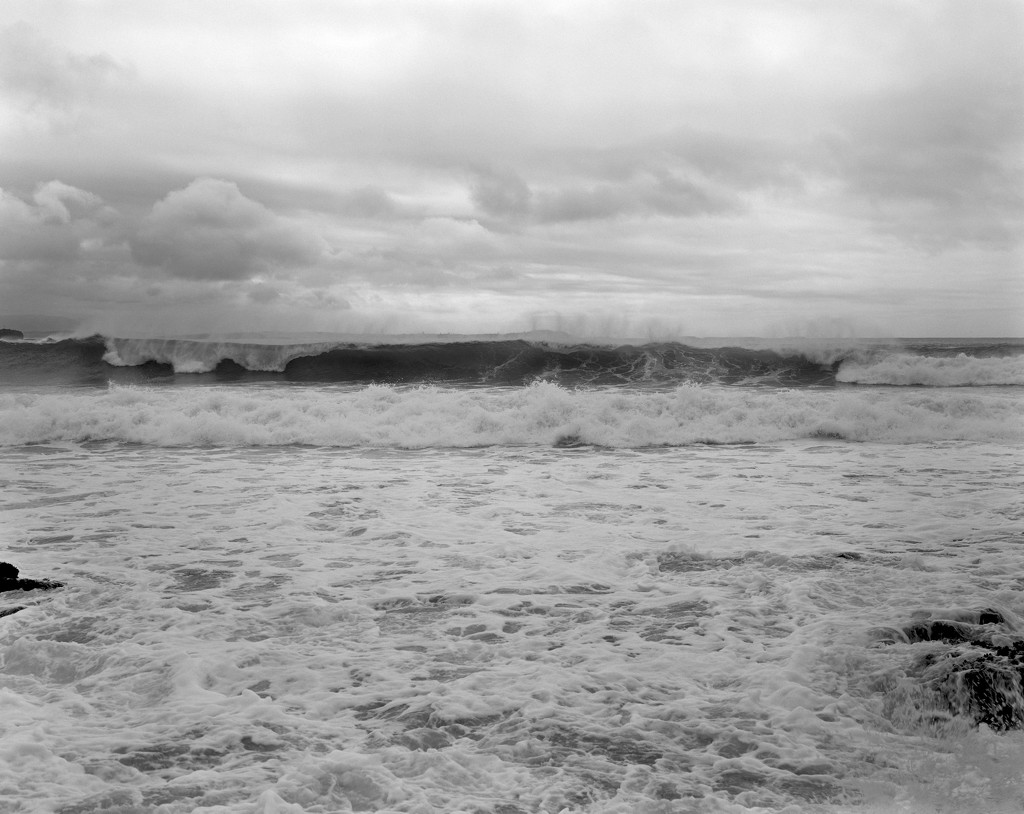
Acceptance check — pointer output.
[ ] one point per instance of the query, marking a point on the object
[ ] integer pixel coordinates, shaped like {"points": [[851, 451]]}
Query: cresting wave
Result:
{"points": [[541, 414], [959, 371], [499, 362], [511, 361]]}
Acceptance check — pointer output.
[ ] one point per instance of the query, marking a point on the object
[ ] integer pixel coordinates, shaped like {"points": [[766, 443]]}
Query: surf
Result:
{"points": [[545, 413]]}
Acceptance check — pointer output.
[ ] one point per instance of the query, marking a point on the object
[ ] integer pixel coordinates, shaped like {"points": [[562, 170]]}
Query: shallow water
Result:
{"points": [[501, 629]]}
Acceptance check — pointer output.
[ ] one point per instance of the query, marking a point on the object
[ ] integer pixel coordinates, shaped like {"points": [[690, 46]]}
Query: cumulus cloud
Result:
{"points": [[25, 233], [59, 202], [53, 225], [210, 230]]}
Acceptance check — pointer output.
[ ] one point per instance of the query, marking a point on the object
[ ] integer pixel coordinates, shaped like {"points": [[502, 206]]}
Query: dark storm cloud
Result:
{"points": [[211, 231]]}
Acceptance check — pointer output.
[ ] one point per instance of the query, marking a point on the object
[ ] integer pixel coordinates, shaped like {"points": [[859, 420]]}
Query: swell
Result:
{"points": [[504, 362], [514, 361], [69, 361]]}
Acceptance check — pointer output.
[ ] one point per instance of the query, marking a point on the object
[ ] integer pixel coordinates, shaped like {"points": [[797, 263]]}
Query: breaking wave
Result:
{"points": [[509, 361], [961, 370], [541, 414]]}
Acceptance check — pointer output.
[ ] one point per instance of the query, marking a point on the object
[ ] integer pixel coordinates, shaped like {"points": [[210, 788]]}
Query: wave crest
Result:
{"points": [[190, 356], [512, 361]]}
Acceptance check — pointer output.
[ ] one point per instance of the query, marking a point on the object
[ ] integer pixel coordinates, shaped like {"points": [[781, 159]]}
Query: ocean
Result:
{"points": [[512, 574]]}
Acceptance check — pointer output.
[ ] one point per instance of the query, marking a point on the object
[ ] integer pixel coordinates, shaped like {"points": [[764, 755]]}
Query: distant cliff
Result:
{"points": [[10, 333]]}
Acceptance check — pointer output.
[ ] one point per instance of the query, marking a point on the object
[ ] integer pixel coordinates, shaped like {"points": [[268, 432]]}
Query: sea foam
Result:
{"points": [[934, 371], [541, 414]]}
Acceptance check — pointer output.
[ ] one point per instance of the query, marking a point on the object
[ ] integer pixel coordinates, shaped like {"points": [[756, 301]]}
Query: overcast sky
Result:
{"points": [[708, 167]]}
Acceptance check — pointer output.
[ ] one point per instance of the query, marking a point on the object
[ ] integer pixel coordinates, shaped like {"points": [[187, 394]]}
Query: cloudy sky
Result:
{"points": [[661, 167]]}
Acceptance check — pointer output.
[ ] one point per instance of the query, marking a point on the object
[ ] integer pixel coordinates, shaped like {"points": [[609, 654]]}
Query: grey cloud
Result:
{"points": [[210, 230], [35, 72], [659, 194], [262, 293], [53, 225], [506, 196], [743, 162], [501, 194], [740, 162], [368, 202], [283, 195], [941, 164], [593, 203], [672, 195], [60, 203], [937, 156]]}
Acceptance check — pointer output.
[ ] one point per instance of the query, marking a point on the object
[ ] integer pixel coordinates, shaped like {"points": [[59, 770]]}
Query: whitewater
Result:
{"points": [[509, 575]]}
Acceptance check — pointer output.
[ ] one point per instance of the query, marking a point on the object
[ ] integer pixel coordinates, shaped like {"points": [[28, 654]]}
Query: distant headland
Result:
{"points": [[11, 333]]}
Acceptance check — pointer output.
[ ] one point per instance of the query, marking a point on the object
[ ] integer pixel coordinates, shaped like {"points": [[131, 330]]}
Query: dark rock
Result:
{"points": [[9, 581], [942, 630], [980, 673], [10, 333], [985, 686], [10, 610]]}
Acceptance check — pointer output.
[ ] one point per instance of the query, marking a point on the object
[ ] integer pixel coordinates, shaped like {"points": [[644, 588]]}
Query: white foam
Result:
{"points": [[935, 371], [188, 356], [419, 417], [496, 629]]}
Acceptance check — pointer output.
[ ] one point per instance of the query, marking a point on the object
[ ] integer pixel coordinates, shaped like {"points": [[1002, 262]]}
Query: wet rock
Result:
{"points": [[950, 632], [975, 668], [10, 581], [959, 627], [10, 610], [984, 685]]}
